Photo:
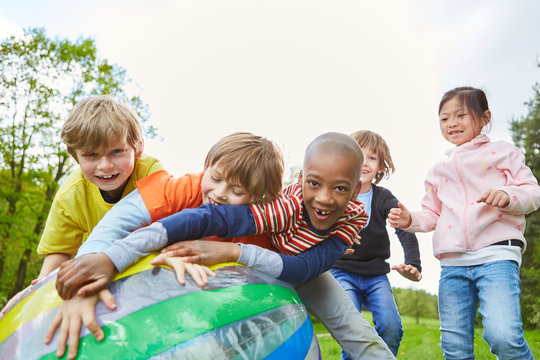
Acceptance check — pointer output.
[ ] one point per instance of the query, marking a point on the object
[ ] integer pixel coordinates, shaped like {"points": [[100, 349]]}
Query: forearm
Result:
{"points": [[225, 221], [139, 243], [125, 217], [297, 269], [51, 263]]}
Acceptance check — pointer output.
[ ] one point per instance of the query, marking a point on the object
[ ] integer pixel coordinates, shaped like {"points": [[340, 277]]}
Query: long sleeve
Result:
{"points": [[127, 215], [225, 221], [295, 269], [139, 243]]}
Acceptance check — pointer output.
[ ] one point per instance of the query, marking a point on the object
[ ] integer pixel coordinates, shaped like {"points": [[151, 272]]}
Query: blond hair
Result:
{"points": [[252, 161], [95, 121], [376, 143]]}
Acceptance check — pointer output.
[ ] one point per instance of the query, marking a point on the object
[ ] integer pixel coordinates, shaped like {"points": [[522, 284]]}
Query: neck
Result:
{"points": [[365, 187]]}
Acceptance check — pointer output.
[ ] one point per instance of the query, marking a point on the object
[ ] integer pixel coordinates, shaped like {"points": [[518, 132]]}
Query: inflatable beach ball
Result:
{"points": [[240, 314]]}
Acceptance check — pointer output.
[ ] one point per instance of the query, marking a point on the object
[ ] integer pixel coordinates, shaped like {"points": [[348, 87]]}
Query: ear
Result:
{"points": [[487, 118], [139, 153], [356, 191], [300, 178]]}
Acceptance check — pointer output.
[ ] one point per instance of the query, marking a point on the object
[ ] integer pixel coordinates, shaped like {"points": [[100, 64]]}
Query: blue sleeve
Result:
{"points": [[309, 264], [225, 221], [126, 216]]}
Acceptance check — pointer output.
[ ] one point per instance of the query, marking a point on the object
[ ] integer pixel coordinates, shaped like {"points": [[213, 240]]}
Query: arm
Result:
{"points": [[297, 269], [127, 215], [51, 263], [207, 220]]}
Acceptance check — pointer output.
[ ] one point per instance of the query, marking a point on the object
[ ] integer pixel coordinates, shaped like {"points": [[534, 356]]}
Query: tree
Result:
{"points": [[526, 135], [417, 303], [40, 81]]}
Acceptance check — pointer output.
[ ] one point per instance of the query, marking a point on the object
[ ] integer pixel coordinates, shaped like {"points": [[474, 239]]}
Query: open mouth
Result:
{"points": [[213, 202], [107, 177], [321, 212]]}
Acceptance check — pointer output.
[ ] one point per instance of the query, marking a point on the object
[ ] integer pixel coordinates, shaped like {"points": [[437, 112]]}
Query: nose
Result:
{"points": [[220, 191], [452, 121], [324, 196], [105, 163]]}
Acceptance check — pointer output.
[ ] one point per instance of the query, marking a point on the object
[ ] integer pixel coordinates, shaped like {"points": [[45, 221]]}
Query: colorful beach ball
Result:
{"points": [[241, 314]]}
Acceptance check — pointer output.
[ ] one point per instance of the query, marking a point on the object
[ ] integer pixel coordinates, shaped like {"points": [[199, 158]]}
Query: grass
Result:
{"points": [[421, 341]]}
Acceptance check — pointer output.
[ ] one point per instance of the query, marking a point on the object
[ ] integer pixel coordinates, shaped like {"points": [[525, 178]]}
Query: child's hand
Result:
{"points": [[205, 252], [69, 317], [399, 217], [408, 271], [85, 275], [496, 198], [199, 273]]}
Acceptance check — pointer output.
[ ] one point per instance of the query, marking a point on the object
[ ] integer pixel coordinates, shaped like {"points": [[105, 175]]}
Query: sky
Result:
{"points": [[292, 70]]}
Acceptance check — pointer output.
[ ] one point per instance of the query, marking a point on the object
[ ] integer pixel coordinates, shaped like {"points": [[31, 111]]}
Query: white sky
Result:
{"points": [[291, 70]]}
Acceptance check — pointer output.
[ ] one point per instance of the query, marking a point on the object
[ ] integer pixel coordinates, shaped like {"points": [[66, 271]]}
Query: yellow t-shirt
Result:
{"points": [[78, 206]]}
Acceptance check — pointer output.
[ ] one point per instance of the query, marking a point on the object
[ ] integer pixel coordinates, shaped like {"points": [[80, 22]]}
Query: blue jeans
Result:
{"points": [[497, 286], [375, 294]]}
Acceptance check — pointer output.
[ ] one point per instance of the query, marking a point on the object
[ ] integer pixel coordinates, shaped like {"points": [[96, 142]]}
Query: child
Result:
{"points": [[105, 138], [363, 273], [475, 201], [326, 194]]}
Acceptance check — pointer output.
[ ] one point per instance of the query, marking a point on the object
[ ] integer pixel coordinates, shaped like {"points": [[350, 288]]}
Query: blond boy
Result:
{"points": [[105, 138]]}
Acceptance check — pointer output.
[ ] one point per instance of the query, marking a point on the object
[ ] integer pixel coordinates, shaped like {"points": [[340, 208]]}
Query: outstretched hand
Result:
{"points": [[408, 272], [69, 319], [399, 217], [496, 198], [199, 273], [205, 252], [85, 275]]}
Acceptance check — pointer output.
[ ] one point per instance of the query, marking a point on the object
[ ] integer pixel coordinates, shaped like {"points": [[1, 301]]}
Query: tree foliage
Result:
{"points": [[40, 81], [417, 303], [526, 135]]}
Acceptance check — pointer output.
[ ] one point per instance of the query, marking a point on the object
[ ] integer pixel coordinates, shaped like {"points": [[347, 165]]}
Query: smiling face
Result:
{"points": [[329, 181], [370, 169], [108, 167], [218, 191], [458, 126]]}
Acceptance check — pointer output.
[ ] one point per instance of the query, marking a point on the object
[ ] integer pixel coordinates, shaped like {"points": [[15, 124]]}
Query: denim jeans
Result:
{"points": [[375, 293], [496, 285], [325, 299]]}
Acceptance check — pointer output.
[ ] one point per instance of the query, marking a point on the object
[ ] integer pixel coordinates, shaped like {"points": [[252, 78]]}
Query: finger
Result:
{"points": [[108, 299], [181, 252], [91, 324], [194, 259], [34, 282], [62, 338], [196, 275], [57, 320], [402, 207], [180, 270], [93, 287], [74, 333]]}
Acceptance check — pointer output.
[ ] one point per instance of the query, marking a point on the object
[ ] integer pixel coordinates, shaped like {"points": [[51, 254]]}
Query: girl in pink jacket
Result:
{"points": [[475, 203]]}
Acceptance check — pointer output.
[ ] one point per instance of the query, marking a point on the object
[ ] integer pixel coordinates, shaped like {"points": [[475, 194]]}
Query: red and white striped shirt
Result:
{"points": [[283, 219]]}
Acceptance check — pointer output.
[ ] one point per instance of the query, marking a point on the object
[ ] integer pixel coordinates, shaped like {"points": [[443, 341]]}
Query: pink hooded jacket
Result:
{"points": [[453, 185]]}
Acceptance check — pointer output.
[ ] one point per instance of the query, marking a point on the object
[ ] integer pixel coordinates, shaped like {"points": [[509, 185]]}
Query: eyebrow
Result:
{"points": [[339, 181]]}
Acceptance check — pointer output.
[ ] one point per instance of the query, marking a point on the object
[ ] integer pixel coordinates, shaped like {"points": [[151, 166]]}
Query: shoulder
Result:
{"points": [[145, 165]]}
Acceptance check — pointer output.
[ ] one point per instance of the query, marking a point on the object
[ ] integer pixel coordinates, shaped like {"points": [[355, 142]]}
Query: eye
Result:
{"points": [[118, 151], [237, 192], [215, 178], [341, 188], [312, 183], [443, 119]]}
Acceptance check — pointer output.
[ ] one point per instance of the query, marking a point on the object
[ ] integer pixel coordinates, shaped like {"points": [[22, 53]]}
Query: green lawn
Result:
{"points": [[421, 341]]}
